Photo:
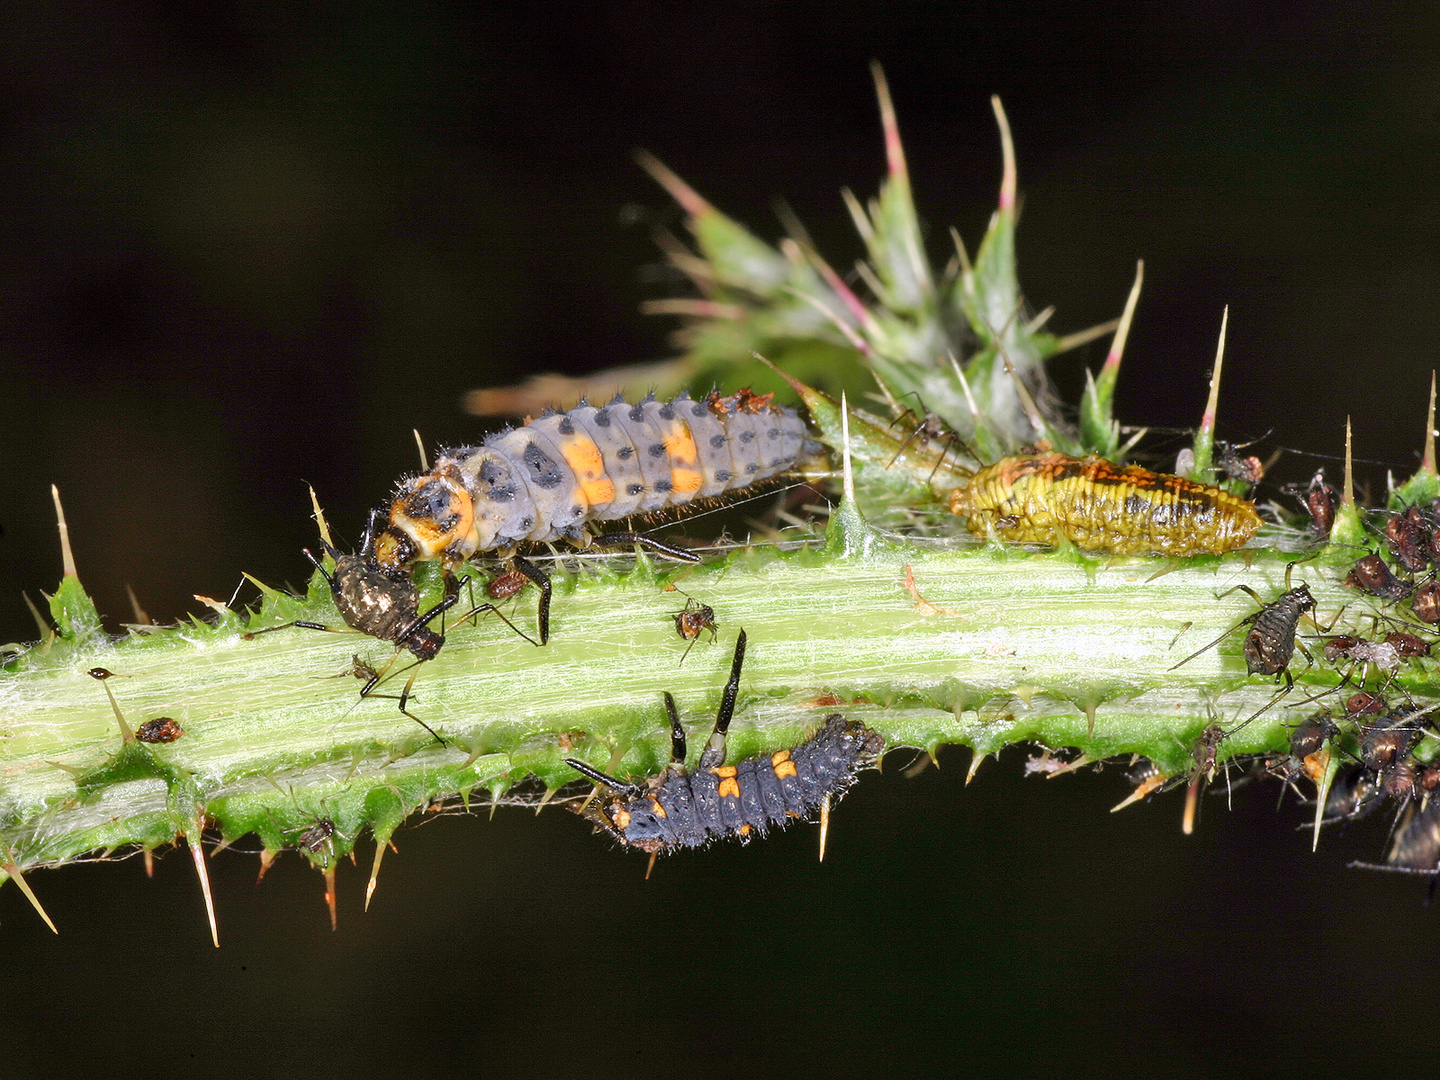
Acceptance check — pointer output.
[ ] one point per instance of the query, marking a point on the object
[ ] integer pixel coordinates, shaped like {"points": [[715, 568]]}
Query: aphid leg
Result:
{"points": [[376, 676], [541, 580], [714, 753], [626, 539]]}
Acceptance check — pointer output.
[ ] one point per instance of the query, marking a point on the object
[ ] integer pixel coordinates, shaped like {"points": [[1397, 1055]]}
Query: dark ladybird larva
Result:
{"points": [[679, 808], [557, 477], [1100, 506]]}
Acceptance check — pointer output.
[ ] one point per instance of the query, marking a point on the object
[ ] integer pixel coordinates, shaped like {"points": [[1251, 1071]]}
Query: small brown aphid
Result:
{"points": [[1353, 795], [1399, 781], [1410, 539], [160, 730], [1365, 704], [317, 836], [100, 673], [1371, 575], [1310, 736], [1427, 778], [693, 620], [1320, 500], [506, 585], [1387, 743], [1426, 603], [1408, 645]]}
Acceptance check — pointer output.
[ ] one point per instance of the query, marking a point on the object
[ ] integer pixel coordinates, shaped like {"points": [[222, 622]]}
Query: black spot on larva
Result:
{"points": [[625, 453], [753, 467], [500, 485], [656, 450], [634, 489], [432, 501], [544, 472], [1136, 504], [602, 417], [566, 426], [723, 475], [667, 411], [747, 436], [637, 413], [527, 522], [697, 409], [664, 485], [717, 441]]}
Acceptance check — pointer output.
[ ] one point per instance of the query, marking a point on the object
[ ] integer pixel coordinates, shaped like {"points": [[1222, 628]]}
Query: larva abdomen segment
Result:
{"points": [[1100, 506], [690, 809], [552, 478]]}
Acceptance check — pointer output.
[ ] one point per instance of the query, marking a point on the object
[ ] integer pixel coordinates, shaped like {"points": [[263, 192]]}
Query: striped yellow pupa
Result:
{"points": [[1103, 507]]}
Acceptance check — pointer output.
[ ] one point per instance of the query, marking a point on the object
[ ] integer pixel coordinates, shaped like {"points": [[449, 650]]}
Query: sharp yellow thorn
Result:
{"points": [[14, 872], [1349, 497], [1428, 461], [197, 852], [330, 895], [1141, 790], [691, 201], [126, 734], [1007, 154], [1322, 795], [975, 761], [824, 823], [651, 864], [549, 794], [1082, 337], [39, 619], [1122, 332], [1207, 422], [142, 618], [420, 445], [149, 863], [66, 555], [266, 858], [849, 474], [1187, 820], [321, 522], [374, 872], [1090, 720]]}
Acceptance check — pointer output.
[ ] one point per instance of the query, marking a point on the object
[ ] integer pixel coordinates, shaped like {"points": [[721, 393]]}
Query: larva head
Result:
{"points": [[637, 823], [431, 518]]}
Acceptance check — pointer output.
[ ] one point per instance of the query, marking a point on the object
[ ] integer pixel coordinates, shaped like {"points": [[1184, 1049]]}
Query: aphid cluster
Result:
{"points": [[681, 808], [1100, 506]]}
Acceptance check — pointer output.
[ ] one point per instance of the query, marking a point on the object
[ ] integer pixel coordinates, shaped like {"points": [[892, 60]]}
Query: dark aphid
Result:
{"points": [[1310, 736], [1270, 643], [1203, 754], [506, 585], [1100, 506], [317, 835], [1409, 535], [1426, 603], [1398, 781], [693, 620], [1408, 645], [1416, 847], [160, 730], [1427, 778], [1388, 742], [1320, 500], [1371, 575], [680, 808]]}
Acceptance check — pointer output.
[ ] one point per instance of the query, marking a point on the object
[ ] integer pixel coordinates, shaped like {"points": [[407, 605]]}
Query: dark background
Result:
{"points": [[243, 251]]}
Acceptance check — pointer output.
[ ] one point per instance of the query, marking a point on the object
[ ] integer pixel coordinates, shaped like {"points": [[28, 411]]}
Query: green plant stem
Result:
{"points": [[1005, 646]]}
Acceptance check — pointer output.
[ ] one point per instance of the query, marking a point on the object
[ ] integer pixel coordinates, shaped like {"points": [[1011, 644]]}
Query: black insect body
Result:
{"points": [[1311, 736], [317, 836], [688, 809], [1271, 641], [1388, 743]]}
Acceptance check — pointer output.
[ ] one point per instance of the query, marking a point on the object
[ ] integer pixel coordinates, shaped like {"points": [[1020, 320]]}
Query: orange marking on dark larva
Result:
{"points": [[659, 810], [781, 763], [1100, 506]]}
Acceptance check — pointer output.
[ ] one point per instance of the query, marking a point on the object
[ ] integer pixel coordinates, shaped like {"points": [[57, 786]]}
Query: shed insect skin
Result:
{"points": [[679, 808], [693, 620], [1100, 506]]}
